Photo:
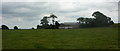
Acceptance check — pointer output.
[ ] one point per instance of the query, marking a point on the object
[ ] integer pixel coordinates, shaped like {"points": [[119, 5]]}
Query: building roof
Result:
{"points": [[71, 23], [67, 25]]}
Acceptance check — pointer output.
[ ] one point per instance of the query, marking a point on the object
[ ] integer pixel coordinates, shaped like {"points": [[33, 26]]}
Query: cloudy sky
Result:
{"points": [[28, 14]]}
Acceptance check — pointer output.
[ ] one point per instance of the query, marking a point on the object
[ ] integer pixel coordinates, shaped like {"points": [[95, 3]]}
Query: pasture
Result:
{"points": [[84, 38]]}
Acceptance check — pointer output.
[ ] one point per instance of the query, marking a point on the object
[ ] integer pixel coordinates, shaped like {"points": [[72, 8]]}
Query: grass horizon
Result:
{"points": [[85, 38]]}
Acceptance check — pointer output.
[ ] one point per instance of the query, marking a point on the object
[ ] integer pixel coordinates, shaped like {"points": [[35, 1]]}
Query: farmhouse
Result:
{"points": [[69, 25]]}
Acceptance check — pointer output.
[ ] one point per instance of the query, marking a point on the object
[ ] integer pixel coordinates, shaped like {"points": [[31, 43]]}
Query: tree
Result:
{"points": [[51, 26], [101, 19], [109, 19], [38, 27], [89, 22], [57, 25], [86, 22], [53, 18], [32, 28], [15, 27], [111, 23], [44, 22], [81, 20], [4, 27]]}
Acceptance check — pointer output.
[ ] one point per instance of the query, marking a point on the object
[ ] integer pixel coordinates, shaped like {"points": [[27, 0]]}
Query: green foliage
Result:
{"points": [[111, 23], [4, 27], [53, 18], [15, 27], [81, 20], [100, 20], [38, 26], [86, 22], [57, 25], [85, 38], [33, 28], [44, 22]]}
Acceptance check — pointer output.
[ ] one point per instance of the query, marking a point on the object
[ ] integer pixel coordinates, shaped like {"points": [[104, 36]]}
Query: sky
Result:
{"points": [[27, 14]]}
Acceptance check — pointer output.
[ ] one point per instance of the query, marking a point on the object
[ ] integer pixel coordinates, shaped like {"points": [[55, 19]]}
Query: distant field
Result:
{"points": [[85, 38]]}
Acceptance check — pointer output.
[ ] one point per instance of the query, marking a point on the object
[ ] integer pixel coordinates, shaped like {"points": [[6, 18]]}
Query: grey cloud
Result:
{"points": [[60, 1], [31, 12], [11, 9]]}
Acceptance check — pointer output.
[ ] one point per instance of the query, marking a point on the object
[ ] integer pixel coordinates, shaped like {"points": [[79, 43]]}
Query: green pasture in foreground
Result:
{"points": [[85, 38]]}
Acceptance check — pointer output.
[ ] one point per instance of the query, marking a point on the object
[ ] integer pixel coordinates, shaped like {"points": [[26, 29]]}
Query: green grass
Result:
{"points": [[85, 38]]}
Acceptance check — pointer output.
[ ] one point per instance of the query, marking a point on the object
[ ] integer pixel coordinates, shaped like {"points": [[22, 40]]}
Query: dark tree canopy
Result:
{"points": [[4, 27], [53, 18], [57, 25], [98, 14], [81, 20], [38, 26], [101, 19], [45, 22], [32, 28], [111, 23], [15, 27], [86, 22]]}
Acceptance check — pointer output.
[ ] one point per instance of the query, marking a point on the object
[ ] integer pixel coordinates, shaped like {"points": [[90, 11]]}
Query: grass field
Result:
{"points": [[85, 38]]}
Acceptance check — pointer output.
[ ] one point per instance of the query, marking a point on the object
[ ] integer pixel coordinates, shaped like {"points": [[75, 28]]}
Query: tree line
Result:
{"points": [[45, 25], [99, 20]]}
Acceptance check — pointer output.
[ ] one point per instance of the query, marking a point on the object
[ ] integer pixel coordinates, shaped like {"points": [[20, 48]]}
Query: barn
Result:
{"points": [[69, 25]]}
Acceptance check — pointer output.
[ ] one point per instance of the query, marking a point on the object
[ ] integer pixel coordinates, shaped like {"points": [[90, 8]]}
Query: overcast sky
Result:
{"points": [[28, 14]]}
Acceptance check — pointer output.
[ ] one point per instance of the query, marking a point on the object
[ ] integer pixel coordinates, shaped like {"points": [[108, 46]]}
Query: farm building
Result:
{"points": [[69, 25]]}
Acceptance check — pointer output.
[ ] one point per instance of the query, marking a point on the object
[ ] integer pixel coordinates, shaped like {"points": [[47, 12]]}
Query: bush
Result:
{"points": [[4, 27]]}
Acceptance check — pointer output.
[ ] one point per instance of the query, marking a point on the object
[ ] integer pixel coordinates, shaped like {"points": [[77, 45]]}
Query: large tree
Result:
{"points": [[4, 27], [57, 25], [81, 20], [53, 18], [44, 22], [101, 19], [86, 22], [15, 27], [38, 26]]}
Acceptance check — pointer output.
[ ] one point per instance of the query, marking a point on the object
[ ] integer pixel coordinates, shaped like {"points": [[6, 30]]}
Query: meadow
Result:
{"points": [[84, 38]]}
